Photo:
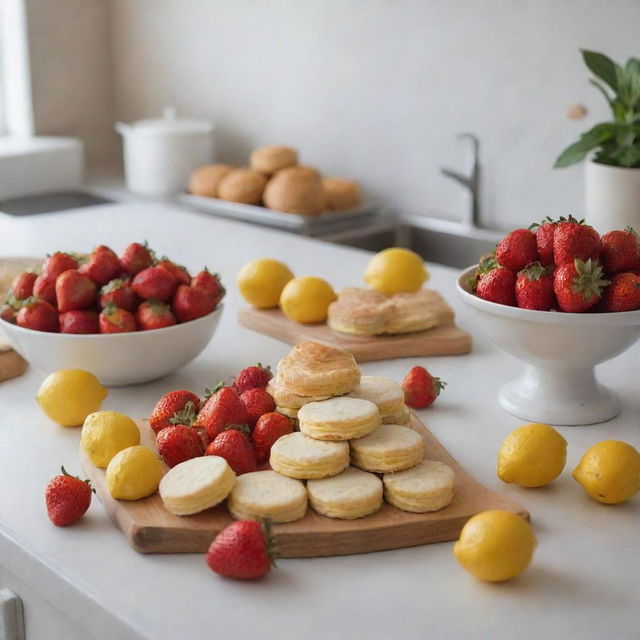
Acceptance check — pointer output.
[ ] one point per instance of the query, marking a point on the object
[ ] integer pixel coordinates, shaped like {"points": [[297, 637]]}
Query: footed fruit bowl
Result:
{"points": [[560, 351]]}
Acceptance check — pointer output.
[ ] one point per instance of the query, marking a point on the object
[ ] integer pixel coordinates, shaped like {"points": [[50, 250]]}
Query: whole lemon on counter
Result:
{"points": [[68, 396], [532, 456], [396, 270], [104, 433], [134, 473], [307, 299], [261, 282], [495, 545], [609, 472]]}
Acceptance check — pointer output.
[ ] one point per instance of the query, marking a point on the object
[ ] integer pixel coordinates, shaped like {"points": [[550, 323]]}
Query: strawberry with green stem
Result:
{"points": [[574, 239], [620, 251], [534, 287], [578, 286], [544, 233], [233, 444], [67, 498], [421, 388], [517, 249]]}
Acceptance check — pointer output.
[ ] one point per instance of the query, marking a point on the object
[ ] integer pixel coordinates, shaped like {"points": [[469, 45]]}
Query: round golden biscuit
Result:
{"points": [[383, 392], [242, 185], [267, 495], [341, 193], [272, 158], [285, 398], [391, 447], [401, 416], [204, 181], [338, 418], [295, 190], [298, 456], [426, 487], [349, 495]]}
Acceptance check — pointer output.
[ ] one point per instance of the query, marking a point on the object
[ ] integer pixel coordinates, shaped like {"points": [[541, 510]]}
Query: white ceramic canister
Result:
{"points": [[160, 153]]}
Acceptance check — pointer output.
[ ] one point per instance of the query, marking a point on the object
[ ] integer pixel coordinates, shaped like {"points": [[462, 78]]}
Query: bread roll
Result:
{"points": [[242, 185], [204, 181], [272, 158], [341, 193], [296, 190]]}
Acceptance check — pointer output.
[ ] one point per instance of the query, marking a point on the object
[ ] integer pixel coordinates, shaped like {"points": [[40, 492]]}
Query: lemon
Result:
{"points": [[261, 282], [396, 270], [68, 396], [104, 433], [495, 545], [134, 473], [307, 299], [609, 471], [532, 455]]}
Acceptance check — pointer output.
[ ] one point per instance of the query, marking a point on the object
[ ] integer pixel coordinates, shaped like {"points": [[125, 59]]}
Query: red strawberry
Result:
{"points": [[155, 283], [534, 287], [67, 498], [486, 264], [74, 291], [79, 321], [498, 286], [136, 257], [255, 377], [223, 409], [620, 251], [517, 249], [544, 239], [210, 283], [258, 402], [421, 388], [268, 429], [103, 265], [578, 285], [8, 313], [190, 303], [58, 262], [38, 315], [22, 285], [243, 550], [153, 314], [179, 272], [170, 404], [44, 287], [118, 292], [115, 320], [234, 446], [178, 443], [573, 239], [623, 294]]}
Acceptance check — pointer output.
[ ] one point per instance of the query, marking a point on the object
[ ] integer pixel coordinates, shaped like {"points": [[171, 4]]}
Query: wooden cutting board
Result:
{"points": [[149, 528], [12, 364]]}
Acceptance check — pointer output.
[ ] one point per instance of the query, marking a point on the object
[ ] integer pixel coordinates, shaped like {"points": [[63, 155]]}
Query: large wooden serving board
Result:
{"points": [[149, 528]]}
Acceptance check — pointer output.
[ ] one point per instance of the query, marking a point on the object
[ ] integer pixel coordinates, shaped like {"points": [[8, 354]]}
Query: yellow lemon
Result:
{"points": [[495, 545], [532, 456], [396, 270], [68, 396], [134, 473], [104, 433], [261, 282], [609, 471], [307, 299]]}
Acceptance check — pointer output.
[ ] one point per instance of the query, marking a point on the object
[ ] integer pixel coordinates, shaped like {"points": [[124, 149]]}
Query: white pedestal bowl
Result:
{"points": [[560, 350]]}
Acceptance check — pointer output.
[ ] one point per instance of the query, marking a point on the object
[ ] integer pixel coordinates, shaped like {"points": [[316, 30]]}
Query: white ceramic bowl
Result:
{"points": [[119, 358], [558, 385]]}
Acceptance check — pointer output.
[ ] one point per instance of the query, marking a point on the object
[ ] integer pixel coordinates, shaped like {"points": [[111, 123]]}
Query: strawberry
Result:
{"points": [[222, 409], [234, 446], [623, 294], [79, 321], [486, 264], [268, 429], [498, 285], [118, 292], [243, 550], [154, 283], [136, 257], [67, 498], [258, 402], [169, 405], [544, 239], [22, 285], [517, 249], [179, 272], [210, 283], [8, 313], [58, 262], [44, 287], [74, 291], [153, 314], [38, 315], [421, 388], [103, 265], [255, 377], [178, 443], [578, 285], [534, 287], [115, 320], [620, 251], [573, 239], [190, 303]]}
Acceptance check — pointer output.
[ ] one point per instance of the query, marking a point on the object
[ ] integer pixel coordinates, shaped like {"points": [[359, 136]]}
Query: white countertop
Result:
{"points": [[585, 576]]}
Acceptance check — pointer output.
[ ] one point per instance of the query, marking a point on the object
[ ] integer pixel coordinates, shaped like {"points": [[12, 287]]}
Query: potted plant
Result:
{"points": [[613, 170]]}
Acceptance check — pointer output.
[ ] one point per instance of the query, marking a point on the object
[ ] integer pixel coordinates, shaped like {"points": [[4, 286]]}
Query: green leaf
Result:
{"points": [[602, 67], [604, 92], [632, 66], [588, 141]]}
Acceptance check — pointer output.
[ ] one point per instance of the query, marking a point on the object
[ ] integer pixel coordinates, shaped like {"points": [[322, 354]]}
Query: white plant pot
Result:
{"points": [[612, 197]]}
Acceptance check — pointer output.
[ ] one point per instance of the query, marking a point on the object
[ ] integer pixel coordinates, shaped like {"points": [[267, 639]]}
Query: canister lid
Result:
{"points": [[169, 124]]}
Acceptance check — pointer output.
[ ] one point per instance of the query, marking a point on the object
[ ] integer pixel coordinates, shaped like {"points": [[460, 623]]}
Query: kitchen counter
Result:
{"points": [[584, 580]]}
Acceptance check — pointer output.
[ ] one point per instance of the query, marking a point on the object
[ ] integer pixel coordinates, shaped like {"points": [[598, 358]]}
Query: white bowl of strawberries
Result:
{"points": [[126, 319], [563, 300]]}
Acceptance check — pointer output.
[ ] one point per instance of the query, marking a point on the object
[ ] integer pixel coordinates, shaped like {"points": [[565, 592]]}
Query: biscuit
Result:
{"points": [[288, 411], [338, 418], [298, 456], [341, 193], [242, 185], [295, 190], [383, 392], [196, 485], [426, 487], [317, 369], [204, 181], [267, 495], [285, 398], [391, 447], [272, 158], [400, 416], [349, 495]]}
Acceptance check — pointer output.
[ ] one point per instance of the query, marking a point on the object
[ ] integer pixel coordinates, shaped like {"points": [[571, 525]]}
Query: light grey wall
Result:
{"points": [[377, 89]]}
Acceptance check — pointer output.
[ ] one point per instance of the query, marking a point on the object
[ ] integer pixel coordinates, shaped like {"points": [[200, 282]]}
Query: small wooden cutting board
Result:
{"points": [[12, 364], [149, 528]]}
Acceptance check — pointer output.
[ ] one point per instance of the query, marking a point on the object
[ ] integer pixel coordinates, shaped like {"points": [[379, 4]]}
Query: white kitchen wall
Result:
{"points": [[378, 89]]}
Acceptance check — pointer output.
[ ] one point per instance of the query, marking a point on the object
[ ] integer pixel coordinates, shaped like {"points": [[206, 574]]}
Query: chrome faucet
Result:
{"points": [[472, 181]]}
